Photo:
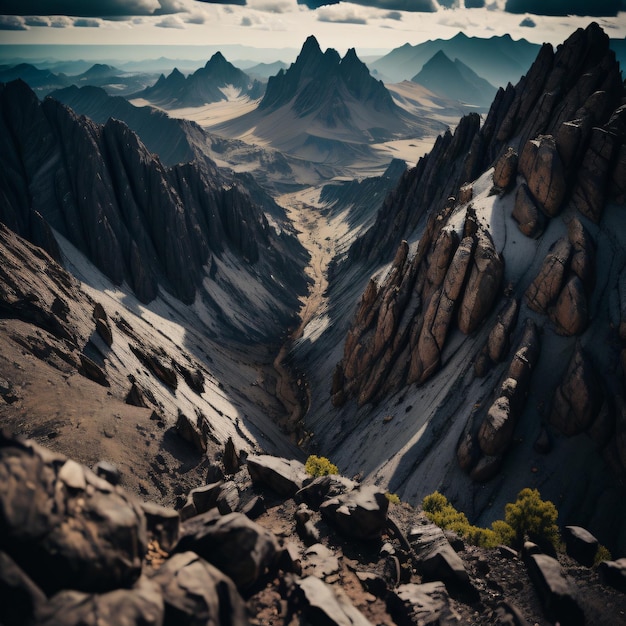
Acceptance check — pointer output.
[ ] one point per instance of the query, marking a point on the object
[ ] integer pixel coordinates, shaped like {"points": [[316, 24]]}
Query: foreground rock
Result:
{"points": [[65, 525]]}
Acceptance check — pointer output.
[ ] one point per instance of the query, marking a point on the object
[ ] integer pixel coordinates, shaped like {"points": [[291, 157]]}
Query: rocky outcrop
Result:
{"points": [[400, 329], [530, 220], [83, 180], [565, 281], [490, 431]]}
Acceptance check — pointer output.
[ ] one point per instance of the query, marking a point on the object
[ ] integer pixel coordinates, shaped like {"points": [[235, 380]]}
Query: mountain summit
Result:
{"points": [[455, 80], [207, 84], [324, 84]]}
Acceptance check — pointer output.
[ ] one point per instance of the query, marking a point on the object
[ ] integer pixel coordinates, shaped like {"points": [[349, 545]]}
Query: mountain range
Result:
{"points": [[325, 108], [207, 84], [455, 327]]}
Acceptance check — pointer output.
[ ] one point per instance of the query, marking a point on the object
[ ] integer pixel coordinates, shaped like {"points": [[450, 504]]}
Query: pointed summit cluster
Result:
{"points": [[204, 86], [325, 84]]}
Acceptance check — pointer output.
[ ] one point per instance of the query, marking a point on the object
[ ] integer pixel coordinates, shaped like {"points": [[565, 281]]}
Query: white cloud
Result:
{"points": [[61, 21], [36, 20], [12, 22], [341, 14], [171, 21], [87, 22]]}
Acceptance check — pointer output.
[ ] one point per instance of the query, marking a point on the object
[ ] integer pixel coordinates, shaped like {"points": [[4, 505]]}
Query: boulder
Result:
{"points": [[65, 526], [254, 508], [436, 560], [190, 432], [320, 562], [498, 342], [427, 604], [231, 457], [322, 606], [505, 170], [360, 513], [580, 544], [324, 488], [543, 169], [557, 594], [233, 543], [530, 220], [613, 574], [582, 261], [142, 605], [195, 592], [283, 476], [228, 498]]}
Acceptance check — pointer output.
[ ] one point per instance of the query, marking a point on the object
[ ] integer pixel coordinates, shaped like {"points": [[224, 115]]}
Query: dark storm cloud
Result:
{"points": [[394, 15], [474, 4], [91, 8], [593, 8], [528, 22], [416, 6]]}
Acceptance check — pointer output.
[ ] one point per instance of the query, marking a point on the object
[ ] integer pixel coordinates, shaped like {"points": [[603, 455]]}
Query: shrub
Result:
{"points": [[602, 554], [319, 466], [440, 512], [393, 498], [531, 516]]}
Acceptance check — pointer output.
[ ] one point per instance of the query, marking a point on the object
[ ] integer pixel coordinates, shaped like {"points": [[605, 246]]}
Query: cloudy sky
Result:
{"points": [[364, 24]]}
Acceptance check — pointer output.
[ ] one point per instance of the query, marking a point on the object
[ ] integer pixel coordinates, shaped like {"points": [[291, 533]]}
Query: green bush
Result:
{"points": [[603, 554], [393, 498], [530, 516], [440, 512], [319, 466]]}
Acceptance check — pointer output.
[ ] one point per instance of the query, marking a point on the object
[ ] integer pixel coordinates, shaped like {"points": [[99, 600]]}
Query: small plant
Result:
{"points": [[319, 466], [440, 512], [602, 554], [530, 516], [393, 498]]}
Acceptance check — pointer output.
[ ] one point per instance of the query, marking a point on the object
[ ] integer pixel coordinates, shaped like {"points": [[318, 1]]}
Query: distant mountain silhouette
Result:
{"points": [[265, 70], [498, 60], [37, 79], [204, 86], [455, 80], [326, 85]]}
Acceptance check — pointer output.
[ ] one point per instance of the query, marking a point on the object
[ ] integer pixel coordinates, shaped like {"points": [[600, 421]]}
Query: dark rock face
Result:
{"points": [[84, 182], [202, 86]]}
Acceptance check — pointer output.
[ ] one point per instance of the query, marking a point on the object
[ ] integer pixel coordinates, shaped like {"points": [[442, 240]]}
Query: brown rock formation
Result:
{"points": [[578, 398], [530, 220], [543, 169], [497, 428], [505, 170]]}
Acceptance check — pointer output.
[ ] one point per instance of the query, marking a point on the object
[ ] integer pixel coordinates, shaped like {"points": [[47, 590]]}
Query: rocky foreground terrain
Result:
{"points": [[264, 543]]}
